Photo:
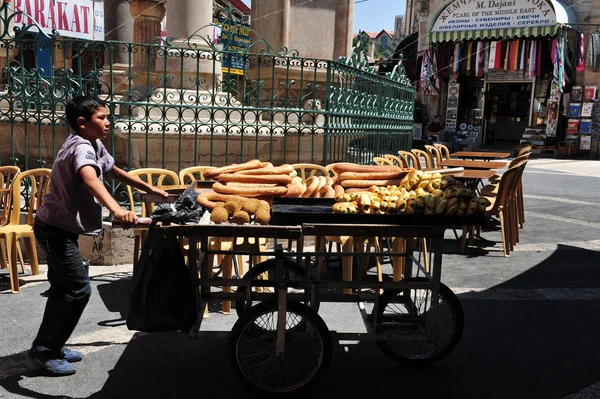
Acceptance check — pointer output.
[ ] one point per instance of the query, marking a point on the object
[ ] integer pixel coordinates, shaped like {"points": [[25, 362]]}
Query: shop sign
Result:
{"points": [[81, 19], [494, 14], [502, 75], [235, 40]]}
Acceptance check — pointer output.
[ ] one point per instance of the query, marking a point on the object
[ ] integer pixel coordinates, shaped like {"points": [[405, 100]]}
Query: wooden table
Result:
{"points": [[483, 155], [473, 177], [486, 165]]}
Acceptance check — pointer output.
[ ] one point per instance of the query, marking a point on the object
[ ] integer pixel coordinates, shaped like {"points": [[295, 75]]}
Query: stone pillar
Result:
{"points": [[187, 17], [191, 19], [118, 26], [147, 15]]}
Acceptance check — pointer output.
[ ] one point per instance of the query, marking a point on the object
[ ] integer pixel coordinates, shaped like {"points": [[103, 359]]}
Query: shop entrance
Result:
{"points": [[507, 108]]}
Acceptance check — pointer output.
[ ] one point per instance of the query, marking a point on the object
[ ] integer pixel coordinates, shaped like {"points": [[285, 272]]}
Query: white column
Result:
{"points": [[186, 17]]}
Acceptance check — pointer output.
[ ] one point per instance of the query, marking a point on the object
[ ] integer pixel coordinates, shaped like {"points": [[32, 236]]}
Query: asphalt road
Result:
{"points": [[532, 321]]}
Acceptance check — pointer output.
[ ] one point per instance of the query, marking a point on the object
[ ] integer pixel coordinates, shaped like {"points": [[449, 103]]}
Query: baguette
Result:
{"points": [[340, 168], [285, 169], [253, 164], [250, 192], [369, 183], [372, 175], [261, 179]]}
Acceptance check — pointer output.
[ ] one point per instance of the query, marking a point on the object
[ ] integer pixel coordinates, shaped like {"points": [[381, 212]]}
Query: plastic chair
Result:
{"points": [[435, 154], [37, 181], [524, 150], [420, 154], [189, 175], [396, 161], [154, 177], [7, 175], [306, 170], [443, 150], [381, 161], [411, 159]]}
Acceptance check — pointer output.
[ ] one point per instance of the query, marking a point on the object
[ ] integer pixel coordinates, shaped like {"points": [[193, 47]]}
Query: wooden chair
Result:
{"points": [[396, 161], [189, 175], [423, 155], [503, 206], [524, 150], [381, 161], [411, 159], [37, 181], [491, 190], [443, 150], [435, 154], [154, 177]]}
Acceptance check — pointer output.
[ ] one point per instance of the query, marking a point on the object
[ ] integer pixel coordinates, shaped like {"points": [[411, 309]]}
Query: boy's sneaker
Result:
{"points": [[71, 356], [41, 355]]}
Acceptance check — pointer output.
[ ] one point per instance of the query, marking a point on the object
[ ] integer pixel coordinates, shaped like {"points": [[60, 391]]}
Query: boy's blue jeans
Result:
{"points": [[70, 287]]}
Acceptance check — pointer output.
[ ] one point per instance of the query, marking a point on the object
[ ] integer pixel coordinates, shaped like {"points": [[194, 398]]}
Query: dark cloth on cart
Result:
{"points": [[161, 296]]}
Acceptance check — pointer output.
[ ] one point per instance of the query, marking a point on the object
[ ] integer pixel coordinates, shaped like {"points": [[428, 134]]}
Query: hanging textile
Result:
{"points": [[538, 62], [532, 59], [486, 57], [594, 52], [498, 63], [435, 80], [506, 54], [480, 53], [426, 71], [580, 56], [456, 59], [514, 55], [469, 52], [442, 60], [522, 55], [492, 56]]}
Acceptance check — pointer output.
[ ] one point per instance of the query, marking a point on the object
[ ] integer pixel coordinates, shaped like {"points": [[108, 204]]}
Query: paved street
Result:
{"points": [[532, 321]]}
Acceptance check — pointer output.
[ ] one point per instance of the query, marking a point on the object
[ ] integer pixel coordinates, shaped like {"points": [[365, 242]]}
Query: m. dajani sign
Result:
{"points": [[82, 19], [494, 14]]}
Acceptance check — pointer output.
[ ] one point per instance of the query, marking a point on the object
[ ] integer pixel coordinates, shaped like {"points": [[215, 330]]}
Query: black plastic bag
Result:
{"points": [[184, 210], [161, 297]]}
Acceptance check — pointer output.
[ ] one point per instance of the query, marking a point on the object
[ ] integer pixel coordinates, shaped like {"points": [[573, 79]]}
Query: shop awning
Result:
{"points": [[455, 19]]}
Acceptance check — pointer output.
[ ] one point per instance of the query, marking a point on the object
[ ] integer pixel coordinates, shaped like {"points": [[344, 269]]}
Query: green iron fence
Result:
{"points": [[172, 106]]}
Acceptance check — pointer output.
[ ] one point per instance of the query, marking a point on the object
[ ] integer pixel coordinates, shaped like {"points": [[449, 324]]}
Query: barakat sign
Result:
{"points": [[494, 14], [82, 19]]}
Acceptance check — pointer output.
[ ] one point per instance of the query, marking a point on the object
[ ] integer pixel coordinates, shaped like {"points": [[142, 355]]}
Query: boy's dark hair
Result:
{"points": [[84, 106], [438, 116]]}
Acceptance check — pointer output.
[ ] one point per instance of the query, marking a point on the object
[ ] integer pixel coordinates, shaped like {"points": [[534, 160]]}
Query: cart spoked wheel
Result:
{"points": [[405, 312], [291, 272], [304, 358]]}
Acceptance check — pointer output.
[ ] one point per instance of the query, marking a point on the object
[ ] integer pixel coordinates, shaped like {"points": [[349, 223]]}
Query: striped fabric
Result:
{"points": [[451, 36]]}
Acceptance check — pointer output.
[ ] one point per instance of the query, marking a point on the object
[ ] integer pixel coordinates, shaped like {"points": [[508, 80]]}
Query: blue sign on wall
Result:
{"points": [[235, 40]]}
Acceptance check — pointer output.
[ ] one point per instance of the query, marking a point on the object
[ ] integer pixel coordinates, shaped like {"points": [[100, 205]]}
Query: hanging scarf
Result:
{"points": [[456, 59], [492, 56], [522, 56], [435, 80], [538, 62], [480, 57], [486, 57], [580, 66], [469, 52], [532, 58], [426, 71], [498, 62]]}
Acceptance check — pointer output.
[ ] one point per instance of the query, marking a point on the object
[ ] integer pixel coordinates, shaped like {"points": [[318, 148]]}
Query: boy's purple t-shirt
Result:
{"points": [[69, 204]]}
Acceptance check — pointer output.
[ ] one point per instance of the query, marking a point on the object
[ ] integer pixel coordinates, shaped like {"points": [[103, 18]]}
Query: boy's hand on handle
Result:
{"points": [[126, 218], [156, 190]]}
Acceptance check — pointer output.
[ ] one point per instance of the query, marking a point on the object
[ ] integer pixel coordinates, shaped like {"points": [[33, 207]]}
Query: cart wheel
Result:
{"points": [[291, 272], [399, 307], [305, 359]]}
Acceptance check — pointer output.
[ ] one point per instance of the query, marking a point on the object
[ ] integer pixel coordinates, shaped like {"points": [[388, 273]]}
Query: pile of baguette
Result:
{"points": [[261, 180], [417, 192]]}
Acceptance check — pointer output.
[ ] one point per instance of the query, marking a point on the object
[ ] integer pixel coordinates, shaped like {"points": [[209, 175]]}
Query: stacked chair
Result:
{"points": [[36, 183]]}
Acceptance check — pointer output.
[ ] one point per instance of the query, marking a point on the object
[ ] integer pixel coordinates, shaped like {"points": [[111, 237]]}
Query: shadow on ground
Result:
{"points": [[511, 348]]}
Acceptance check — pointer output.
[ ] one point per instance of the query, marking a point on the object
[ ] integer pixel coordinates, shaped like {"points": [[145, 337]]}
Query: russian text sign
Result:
{"points": [[494, 14]]}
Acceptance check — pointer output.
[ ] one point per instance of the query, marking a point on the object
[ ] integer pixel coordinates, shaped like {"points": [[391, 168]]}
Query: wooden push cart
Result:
{"points": [[280, 344]]}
